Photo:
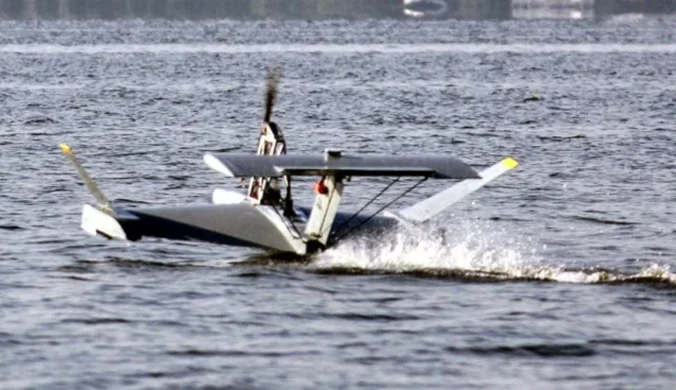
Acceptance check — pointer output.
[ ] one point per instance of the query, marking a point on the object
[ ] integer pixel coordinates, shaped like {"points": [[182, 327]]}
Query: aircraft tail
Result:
{"points": [[101, 199]]}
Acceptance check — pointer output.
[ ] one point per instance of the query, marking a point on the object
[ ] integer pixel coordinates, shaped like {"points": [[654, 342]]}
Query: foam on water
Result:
{"points": [[472, 249], [465, 245]]}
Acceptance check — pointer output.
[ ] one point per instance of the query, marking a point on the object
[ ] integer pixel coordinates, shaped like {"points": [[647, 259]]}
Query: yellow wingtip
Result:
{"points": [[510, 163], [66, 149]]}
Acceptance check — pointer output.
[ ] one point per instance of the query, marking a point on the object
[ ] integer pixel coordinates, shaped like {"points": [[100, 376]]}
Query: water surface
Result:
{"points": [[558, 276]]}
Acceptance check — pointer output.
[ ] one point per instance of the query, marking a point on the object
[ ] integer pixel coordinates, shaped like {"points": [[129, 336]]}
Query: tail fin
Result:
{"points": [[434, 205], [101, 199]]}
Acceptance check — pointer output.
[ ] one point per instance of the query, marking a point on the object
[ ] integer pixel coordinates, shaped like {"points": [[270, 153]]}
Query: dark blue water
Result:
{"points": [[558, 276]]}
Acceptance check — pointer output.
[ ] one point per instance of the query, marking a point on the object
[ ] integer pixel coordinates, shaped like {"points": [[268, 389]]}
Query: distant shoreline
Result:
{"points": [[326, 9]]}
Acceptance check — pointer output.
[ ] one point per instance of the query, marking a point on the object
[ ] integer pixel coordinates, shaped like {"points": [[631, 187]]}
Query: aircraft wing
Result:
{"points": [[435, 205], [245, 165]]}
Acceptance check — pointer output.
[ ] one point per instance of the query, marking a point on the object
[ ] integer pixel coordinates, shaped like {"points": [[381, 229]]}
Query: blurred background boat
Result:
{"points": [[552, 9]]}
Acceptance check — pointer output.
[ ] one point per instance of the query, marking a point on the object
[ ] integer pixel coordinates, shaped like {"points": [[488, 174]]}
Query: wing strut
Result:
{"points": [[337, 238]]}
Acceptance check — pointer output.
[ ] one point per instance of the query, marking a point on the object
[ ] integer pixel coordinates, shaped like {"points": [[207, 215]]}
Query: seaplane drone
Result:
{"points": [[266, 217]]}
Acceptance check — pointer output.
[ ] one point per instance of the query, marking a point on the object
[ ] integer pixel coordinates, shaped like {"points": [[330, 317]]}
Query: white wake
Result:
{"points": [[471, 248]]}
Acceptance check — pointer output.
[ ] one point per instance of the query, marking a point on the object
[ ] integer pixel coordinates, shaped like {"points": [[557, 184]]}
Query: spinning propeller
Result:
{"points": [[272, 81], [271, 86]]}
